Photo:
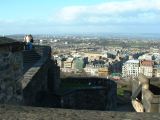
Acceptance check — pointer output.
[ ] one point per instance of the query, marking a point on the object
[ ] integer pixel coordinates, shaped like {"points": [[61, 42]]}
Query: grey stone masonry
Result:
{"points": [[11, 66], [32, 113]]}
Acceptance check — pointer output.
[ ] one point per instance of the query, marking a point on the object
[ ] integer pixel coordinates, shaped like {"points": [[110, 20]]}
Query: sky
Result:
{"points": [[79, 16]]}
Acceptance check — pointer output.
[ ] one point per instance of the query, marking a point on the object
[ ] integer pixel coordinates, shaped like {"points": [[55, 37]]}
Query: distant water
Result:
{"points": [[146, 36]]}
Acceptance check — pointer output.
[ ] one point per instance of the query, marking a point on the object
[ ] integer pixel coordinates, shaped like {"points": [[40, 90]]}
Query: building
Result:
{"points": [[103, 72], [91, 70], [130, 68], [156, 71], [112, 54], [93, 56], [100, 70], [78, 64], [68, 63], [146, 67], [116, 67], [146, 57]]}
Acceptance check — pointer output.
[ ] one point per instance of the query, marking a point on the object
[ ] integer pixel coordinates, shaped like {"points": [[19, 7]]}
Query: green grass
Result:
{"points": [[120, 91], [66, 85]]}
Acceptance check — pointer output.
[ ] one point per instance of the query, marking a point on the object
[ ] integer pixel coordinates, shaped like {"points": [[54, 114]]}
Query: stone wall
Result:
{"points": [[53, 77], [145, 97], [101, 96], [11, 70], [42, 77], [88, 99], [31, 113], [19, 87]]}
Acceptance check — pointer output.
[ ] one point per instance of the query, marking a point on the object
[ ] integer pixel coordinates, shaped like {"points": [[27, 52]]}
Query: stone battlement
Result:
{"points": [[8, 112]]}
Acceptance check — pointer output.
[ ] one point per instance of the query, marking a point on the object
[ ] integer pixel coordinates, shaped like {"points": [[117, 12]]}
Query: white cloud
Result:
{"points": [[71, 13], [130, 11]]}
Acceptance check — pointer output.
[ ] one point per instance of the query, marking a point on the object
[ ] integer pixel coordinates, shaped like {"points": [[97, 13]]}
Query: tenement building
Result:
{"points": [[146, 67], [130, 68], [135, 67]]}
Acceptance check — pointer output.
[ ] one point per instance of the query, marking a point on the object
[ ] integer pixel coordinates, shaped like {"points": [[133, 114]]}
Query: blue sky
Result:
{"points": [[79, 16]]}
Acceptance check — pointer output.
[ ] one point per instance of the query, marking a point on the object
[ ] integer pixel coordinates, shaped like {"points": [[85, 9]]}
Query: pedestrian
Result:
{"points": [[25, 41], [28, 39]]}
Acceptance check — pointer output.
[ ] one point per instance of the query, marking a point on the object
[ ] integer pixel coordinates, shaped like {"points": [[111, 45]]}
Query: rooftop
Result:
{"points": [[133, 61], [147, 63]]}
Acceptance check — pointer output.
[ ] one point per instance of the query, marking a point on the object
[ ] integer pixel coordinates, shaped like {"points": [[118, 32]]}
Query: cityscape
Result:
{"points": [[80, 59], [109, 57], [120, 59]]}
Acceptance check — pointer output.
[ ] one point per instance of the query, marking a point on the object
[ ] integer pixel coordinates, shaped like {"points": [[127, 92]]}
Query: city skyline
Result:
{"points": [[79, 16]]}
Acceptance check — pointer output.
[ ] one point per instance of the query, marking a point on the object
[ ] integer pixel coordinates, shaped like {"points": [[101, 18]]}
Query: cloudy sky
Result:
{"points": [[79, 16]]}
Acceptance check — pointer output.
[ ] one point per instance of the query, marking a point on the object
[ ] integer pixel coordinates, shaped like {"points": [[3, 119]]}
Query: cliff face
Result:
{"points": [[31, 113]]}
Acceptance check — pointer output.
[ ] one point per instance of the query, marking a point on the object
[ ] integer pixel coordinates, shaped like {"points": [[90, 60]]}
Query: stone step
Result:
{"points": [[30, 56], [30, 61]]}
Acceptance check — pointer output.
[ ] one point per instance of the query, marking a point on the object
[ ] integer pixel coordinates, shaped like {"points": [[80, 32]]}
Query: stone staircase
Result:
{"points": [[30, 57]]}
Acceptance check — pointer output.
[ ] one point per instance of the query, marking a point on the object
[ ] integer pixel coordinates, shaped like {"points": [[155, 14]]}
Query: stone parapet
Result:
{"points": [[32, 113]]}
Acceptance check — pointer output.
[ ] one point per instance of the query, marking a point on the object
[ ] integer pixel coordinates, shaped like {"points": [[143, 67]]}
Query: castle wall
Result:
{"points": [[145, 97], [41, 78], [91, 99], [37, 113], [102, 96], [11, 70]]}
